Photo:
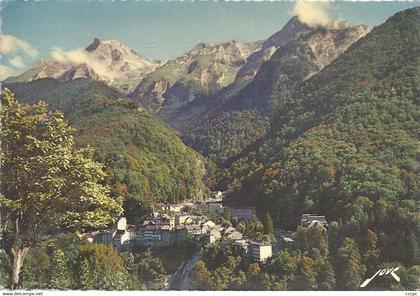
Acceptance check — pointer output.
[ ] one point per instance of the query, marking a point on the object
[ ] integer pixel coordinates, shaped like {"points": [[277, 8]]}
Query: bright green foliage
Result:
{"points": [[101, 268], [47, 185], [66, 261], [85, 279]]}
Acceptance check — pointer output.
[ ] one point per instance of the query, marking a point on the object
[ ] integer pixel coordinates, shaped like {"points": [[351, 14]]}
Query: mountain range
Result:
{"points": [[346, 141], [145, 161], [311, 119], [105, 60]]}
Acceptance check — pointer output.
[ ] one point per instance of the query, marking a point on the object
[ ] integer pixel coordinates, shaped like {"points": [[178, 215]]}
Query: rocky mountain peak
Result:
{"points": [[291, 30], [106, 60]]}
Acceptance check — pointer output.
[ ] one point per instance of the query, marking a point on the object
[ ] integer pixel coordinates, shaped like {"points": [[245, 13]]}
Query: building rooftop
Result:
{"points": [[260, 243]]}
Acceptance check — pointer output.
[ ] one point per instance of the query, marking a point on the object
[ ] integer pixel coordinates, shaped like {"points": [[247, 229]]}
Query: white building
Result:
{"points": [[260, 251], [122, 224], [307, 219]]}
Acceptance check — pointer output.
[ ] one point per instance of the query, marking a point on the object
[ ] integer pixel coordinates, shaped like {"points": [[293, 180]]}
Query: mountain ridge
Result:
{"points": [[236, 120]]}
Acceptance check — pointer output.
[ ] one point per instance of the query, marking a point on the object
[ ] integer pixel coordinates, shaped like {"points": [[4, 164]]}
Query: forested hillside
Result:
{"points": [[239, 116], [346, 145], [145, 161]]}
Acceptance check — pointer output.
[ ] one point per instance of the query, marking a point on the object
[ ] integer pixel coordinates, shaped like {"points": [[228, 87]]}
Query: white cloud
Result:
{"points": [[315, 14], [312, 13], [11, 45], [6, 71], [17, 62], [79, 57]]}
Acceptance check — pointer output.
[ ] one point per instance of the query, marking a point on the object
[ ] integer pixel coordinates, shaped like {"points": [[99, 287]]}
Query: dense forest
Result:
{"points": [[345, 145], [329, 132], [145, 161], [241, 113]]}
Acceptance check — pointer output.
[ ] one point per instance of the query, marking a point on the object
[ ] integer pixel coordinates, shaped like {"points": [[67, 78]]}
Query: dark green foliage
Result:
{"points": [[350, 270], [240, 114], [345, 145], [101, 268], [69, 262], [268, 224], [312, 240], [148, 269], [220, 270], [145, 161]]}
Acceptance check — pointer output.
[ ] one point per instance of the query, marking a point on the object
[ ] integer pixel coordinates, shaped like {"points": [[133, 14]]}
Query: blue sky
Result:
{"points": [[161, 29]]}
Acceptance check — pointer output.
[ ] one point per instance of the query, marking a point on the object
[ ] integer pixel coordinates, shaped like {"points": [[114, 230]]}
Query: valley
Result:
{"points": [[289, 163]]}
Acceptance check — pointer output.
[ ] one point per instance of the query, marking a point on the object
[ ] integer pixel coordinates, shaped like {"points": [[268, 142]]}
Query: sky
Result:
{"points": [[157, 29]]}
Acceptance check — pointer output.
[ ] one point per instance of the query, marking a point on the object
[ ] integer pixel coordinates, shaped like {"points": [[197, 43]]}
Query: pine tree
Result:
{"points": [[268, 224]]}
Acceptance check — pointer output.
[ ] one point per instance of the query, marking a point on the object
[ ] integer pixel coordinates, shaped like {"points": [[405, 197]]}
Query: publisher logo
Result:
{"points": [[382, 272]]}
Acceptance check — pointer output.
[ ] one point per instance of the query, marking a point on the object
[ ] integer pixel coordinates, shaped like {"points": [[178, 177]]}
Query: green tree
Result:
{"points": [[372, 252], [102, 268], [305, 276], [253, 277], [85, 279], [151, 272], [325, 274], [350, 269], [60, 276], [237, 281], [312, 238], [268, 224], [201, 276], [47, 185], [413, 251]]}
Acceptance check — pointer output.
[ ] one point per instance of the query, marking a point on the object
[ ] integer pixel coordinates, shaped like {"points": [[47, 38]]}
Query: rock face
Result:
{"points": [[200, 72], [292, 30], [220, 97], [327, 145], [106, 60], [236, 120]]}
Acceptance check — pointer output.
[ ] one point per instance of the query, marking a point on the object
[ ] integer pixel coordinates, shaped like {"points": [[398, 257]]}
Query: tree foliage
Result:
{"points": [[47, 185]]}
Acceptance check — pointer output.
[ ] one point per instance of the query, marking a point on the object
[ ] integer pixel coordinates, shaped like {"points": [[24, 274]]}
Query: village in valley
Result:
{"points": [[200, 223]]}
